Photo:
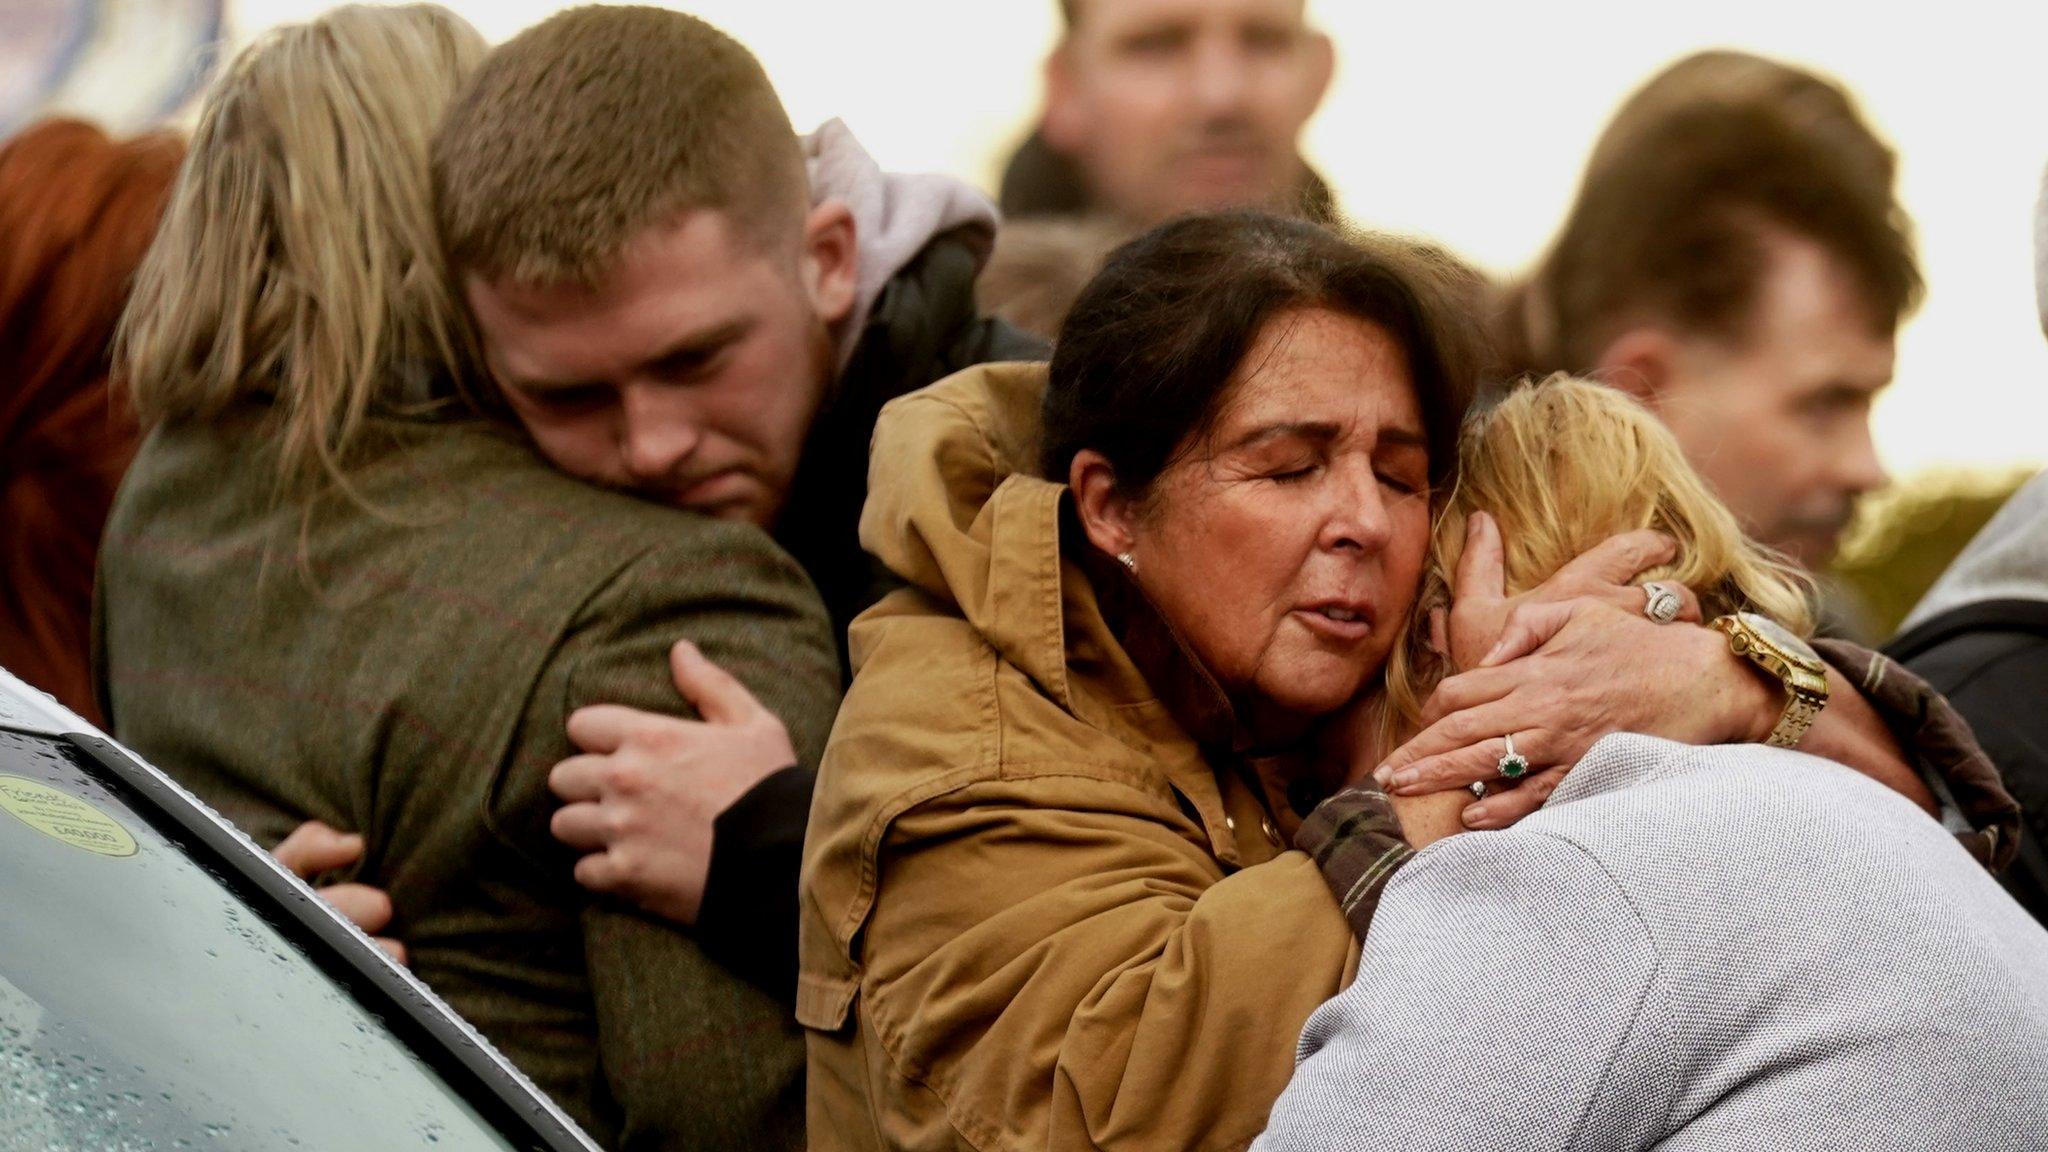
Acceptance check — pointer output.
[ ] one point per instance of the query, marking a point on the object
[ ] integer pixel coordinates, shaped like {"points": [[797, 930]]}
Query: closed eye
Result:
{"points": [[581, 398]]}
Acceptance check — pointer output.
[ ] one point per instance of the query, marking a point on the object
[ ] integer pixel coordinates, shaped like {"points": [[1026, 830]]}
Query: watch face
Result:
{"points": [[1779, 637]]}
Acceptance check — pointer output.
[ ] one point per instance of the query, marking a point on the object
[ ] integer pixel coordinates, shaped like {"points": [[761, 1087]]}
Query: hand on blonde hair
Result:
{"points": [[1484, 621], [1556, 705]]}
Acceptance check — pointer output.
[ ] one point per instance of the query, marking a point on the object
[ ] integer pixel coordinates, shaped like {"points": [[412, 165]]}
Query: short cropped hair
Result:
{"points": [[591, 127], [1698, 171]]}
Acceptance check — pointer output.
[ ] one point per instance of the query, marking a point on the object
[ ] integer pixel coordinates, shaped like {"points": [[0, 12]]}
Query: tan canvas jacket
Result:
{"points": [[1037, 913]]}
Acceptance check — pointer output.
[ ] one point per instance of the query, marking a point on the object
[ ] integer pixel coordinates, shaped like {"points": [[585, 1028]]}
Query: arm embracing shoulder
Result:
{"points": [[693, 1055], [747, 606], [1064, 967], [1937, 743]]}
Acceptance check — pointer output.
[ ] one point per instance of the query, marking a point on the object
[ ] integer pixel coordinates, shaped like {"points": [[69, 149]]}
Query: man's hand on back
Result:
{"points": [[313, 848], [642, 799]]}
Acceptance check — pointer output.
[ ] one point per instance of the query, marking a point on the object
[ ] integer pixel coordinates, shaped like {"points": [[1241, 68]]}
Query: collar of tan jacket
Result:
{"points": [[960, 513]]}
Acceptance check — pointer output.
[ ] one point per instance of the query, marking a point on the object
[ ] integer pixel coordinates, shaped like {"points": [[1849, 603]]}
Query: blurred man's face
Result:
{"points": [[690, 375], [1780, 425], [1172, 106]]}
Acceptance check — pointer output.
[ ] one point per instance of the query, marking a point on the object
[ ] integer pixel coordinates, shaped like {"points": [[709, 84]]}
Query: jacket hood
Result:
{"points": [[2008, 560], [957, 511], [894, 216]]}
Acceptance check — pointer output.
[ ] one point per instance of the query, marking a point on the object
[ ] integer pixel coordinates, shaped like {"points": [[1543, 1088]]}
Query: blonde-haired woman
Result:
{"points": [[1686, 947], [297, 265], [334, 597]]}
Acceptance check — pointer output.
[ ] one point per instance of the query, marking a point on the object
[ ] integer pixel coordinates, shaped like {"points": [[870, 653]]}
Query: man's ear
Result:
{"points": [[1106, 514], [1064, 127], [831, 260], [1321, 65], [1639, 362]]}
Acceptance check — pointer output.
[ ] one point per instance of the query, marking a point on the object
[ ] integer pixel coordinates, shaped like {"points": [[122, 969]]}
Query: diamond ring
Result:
{"points": [[1512, 764], [1660, 603], [1478, 788]]}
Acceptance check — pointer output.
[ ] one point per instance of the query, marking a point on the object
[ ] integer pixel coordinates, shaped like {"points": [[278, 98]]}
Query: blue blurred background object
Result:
{"points": [[126, 64]]}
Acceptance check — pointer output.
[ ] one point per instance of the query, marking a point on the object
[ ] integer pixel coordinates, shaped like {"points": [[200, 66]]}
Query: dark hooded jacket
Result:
{"points": [[1981, 637]]}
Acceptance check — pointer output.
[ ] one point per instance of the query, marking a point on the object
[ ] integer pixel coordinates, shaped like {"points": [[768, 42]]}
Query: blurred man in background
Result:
{"points": [[1158, 107], [1738, 260]]}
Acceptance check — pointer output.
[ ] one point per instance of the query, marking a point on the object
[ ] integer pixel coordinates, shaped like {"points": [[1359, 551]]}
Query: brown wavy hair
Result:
{"points": [[77, 209]]}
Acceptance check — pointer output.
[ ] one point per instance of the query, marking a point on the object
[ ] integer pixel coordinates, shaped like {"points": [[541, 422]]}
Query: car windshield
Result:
{"points": [[145, 1005]]}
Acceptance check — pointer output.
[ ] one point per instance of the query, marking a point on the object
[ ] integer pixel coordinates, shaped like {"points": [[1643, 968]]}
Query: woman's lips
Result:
{"points": [[1338, 621]]}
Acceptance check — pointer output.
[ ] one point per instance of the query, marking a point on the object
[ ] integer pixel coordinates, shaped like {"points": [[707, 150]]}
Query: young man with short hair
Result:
{"points": [[1737, 258], [680, 298]]}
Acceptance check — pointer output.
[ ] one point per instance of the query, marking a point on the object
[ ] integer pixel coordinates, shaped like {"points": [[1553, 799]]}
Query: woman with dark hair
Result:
{"points": [[1049, 897], [77, 209]]}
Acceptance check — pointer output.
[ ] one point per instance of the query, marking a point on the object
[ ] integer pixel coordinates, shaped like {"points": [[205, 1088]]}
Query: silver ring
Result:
{"points": [[1512, 765], [1478, 788], [1660, 603]]}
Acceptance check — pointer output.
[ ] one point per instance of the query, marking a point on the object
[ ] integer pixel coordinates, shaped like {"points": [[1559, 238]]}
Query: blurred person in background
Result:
{"points": [[1158, 107], [1980, 635], [1040, 265], [1738, 260], [695, 306], [77, 209], [331, 592]]}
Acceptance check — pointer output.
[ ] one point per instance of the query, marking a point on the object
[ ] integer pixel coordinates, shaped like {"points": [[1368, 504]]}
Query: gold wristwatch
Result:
{"points": [[1789, 660]]}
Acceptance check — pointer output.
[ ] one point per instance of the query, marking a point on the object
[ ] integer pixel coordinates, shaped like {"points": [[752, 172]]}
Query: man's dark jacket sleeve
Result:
{"points": [[1990, 659]]}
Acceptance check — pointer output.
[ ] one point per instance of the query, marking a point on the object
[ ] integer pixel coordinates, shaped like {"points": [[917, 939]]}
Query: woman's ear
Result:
{"points": [[1107, 515]]}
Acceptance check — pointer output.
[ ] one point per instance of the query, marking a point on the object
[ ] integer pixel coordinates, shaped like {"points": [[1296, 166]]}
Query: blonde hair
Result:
{"points": [[1561, 465], [297, 261]]}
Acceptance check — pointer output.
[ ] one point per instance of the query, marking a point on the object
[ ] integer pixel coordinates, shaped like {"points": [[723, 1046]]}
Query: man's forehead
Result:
{"points": [[1093, 16], [1813, 312]]}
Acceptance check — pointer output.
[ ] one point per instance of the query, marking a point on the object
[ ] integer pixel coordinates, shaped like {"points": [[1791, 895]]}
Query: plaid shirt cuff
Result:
{"points": [[1938, 741], [1356, 841]]}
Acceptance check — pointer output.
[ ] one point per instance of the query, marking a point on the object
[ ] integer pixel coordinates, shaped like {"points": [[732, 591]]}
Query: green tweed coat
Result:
{"points": [[406, 672]]}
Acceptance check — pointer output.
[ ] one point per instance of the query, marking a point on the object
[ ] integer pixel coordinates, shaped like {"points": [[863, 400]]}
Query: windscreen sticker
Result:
{"points": [[62, 816]]}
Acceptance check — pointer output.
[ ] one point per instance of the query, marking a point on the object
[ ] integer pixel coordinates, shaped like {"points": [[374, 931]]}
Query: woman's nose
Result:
{"points": [[1357, 517]]}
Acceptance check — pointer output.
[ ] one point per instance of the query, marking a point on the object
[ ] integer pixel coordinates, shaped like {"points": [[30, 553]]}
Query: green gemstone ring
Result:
{"points": [[1512, 764]]}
